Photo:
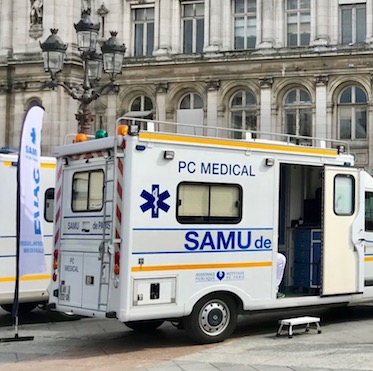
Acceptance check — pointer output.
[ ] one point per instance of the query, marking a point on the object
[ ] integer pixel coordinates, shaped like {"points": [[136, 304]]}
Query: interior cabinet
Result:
{"points": [[307, 257]]}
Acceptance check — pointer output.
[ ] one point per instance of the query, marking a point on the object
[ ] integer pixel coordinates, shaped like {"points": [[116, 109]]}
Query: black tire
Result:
{"points": [[212, 320], [23, 308], [143, 326]]}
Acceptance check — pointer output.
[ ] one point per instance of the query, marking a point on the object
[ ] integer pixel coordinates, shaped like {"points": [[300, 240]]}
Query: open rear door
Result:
{"points": [[343, 228]]}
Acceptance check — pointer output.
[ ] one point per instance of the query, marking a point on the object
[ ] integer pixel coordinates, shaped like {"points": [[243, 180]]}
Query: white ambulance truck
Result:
{"points": [[32, 288], [157, 225]]}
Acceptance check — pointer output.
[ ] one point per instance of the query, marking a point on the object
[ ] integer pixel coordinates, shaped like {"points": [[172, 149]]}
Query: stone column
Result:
{"points": [[370, 130], [265, 124], [6, 30], [333, 20], [163, 26], [213, 41], [319, 22], [363, 157], [111, 112], [369, 13], [212, 104], [175, 28], [226, 27], [321, 125], [265, 22], [4, 109], [161, 89]]}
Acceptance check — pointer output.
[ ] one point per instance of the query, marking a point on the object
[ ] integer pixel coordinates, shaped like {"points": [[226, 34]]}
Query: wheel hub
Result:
{"points": [[214, 318]]}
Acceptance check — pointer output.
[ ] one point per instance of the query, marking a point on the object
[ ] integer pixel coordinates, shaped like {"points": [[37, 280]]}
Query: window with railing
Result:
{"points": [[353, 23], [298, 113], [243, 112], [298, 20], [193, 26], [143, 20], [244, 14], [191, 113], [352, 113]]}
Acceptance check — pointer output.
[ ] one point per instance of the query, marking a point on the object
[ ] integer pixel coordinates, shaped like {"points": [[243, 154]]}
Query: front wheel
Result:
{"points": [[212, 320], [143, 326]]}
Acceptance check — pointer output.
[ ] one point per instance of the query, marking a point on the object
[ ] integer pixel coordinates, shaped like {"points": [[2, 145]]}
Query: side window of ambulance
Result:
{"points": [[344, 194], [369, 211], [49, 205], [203, 203], [87, 193]]}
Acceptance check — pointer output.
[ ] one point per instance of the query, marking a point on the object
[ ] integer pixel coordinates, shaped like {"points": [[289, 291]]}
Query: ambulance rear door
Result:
{"points": [[86, 233], [342, 231]]}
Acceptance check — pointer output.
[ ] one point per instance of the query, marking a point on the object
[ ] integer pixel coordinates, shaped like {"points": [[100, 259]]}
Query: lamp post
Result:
{"points": [[111, 61]]}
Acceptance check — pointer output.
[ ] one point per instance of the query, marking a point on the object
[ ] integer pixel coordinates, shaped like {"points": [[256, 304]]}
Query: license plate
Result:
{"points": [[65, 292]]}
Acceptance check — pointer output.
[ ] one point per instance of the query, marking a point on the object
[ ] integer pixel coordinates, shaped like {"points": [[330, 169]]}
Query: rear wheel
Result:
{"points": [[143, 326], [23, 308], [212, 320]]}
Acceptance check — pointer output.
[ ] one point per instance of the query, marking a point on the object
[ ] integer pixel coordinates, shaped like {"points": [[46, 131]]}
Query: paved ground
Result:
{"points": [[73, 343]]}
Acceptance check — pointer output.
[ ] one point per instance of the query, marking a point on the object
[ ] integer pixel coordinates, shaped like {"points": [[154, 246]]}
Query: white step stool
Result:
{"points": [[290, 322]]}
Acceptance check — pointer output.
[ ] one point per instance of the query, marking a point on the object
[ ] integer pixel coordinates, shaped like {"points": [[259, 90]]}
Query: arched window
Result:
{"points": [[142, 107], [352, 114], [143, 104], [243, 111], [298, 113], [190, 112], [191, 101]]}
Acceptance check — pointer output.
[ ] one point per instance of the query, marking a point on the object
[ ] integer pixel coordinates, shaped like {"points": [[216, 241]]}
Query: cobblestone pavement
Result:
{"points": [[65, 343]]}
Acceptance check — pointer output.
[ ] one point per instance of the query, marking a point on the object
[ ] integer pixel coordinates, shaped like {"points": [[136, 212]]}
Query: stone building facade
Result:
{"points": [[286, 66]]}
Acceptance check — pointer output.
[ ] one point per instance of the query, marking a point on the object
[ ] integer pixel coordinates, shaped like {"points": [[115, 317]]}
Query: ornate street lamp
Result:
{"points": [[111, 61]]}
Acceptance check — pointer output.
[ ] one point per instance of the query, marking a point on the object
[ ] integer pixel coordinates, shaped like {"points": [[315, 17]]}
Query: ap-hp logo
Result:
{"points": [[155, 201]]}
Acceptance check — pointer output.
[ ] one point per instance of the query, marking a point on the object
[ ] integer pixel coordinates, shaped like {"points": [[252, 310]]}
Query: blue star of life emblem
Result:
{"points": [[155, 201], [33, 136]]}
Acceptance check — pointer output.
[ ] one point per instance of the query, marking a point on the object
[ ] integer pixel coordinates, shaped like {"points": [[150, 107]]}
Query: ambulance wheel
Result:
{"points": [[212, 320], [23, 308], [143, 326]]}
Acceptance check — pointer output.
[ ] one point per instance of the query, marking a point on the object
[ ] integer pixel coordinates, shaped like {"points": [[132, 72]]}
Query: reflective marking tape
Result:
{"points": [[26, 278], [199, 266], [57, 203], [118, 211], [239, 144], [43, 165]]}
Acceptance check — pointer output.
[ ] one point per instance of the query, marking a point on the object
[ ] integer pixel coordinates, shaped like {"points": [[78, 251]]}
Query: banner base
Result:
{"points": [[16, 338]]}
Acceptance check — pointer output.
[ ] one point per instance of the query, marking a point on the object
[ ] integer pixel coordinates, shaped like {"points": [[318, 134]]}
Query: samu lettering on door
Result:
{"points": [[225, 240]]}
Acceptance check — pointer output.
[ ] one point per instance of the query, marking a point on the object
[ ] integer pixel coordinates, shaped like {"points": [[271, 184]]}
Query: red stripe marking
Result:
{"points": [[59, 173], [58, 195], [119, 190], [119, 214], [57, 236], [120, 167], [58, 214]]}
